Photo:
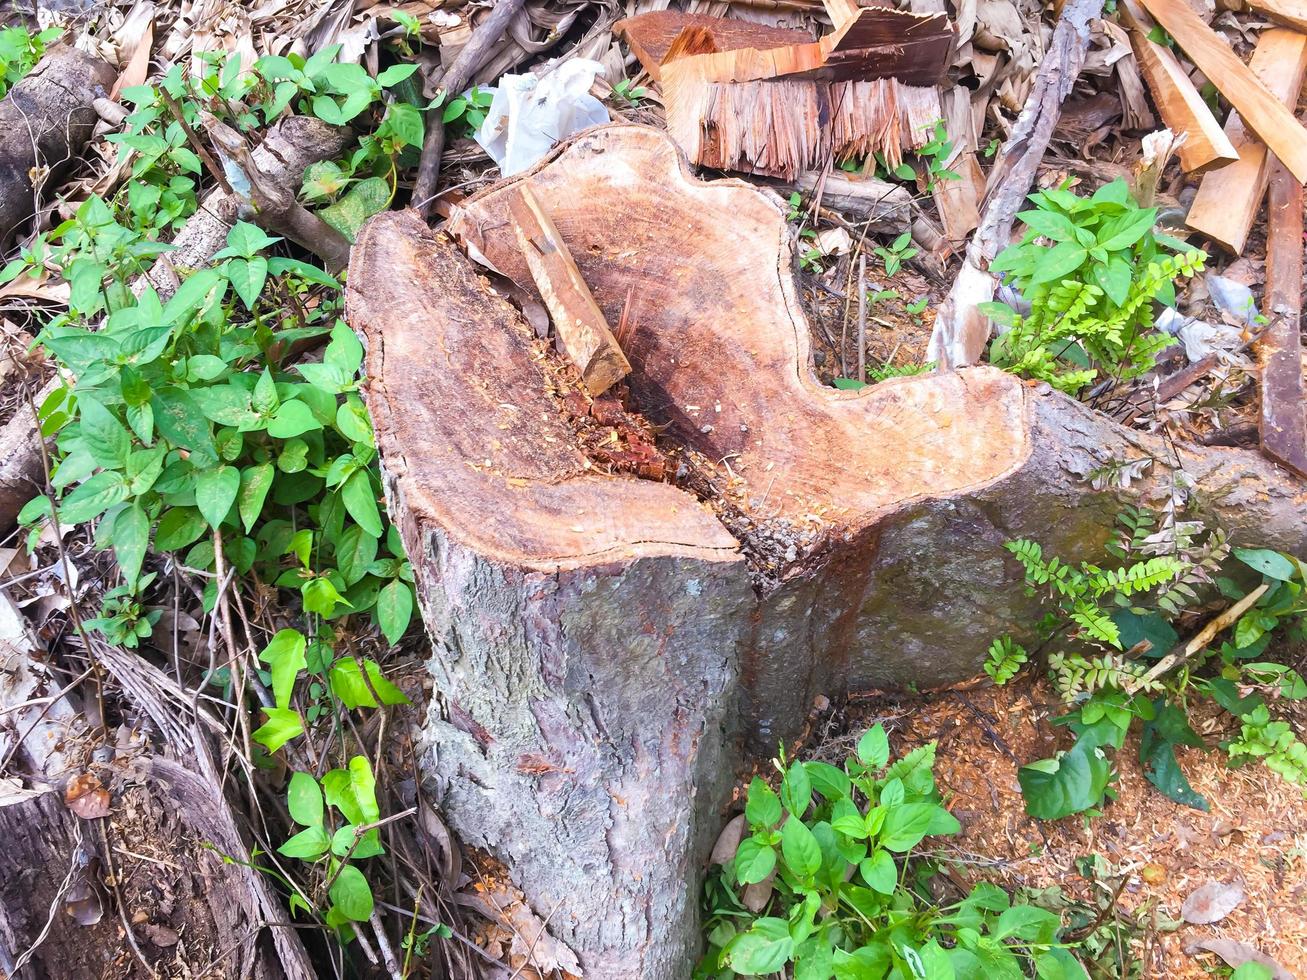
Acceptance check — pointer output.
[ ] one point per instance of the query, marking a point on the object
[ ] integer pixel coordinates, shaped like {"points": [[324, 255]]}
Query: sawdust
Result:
{"points": [[1255, 835]]}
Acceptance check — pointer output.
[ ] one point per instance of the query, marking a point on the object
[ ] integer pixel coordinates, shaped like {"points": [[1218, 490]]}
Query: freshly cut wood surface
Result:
{"points": [[1229, 199], [880, 42], [1284, 406], [1256, 104], [1183, 110], [578, 322]]}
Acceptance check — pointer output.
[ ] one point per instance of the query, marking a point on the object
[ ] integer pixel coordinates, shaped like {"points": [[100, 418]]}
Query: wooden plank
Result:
{"points": [[1290, 13], [1283, 424], [1183, 110], [582, 331], [1228, 199], [1262, 112], [651, 35]]}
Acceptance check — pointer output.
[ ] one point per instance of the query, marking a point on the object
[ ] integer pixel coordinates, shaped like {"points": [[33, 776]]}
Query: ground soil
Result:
{"points": [[1255, 834]]}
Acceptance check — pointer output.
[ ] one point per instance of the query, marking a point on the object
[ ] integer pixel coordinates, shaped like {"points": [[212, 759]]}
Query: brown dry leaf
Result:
{"points": [[503, 904], [1236, 954], [728, 841], [1211, 903], [138, 68], [160, 935], [87, 797]]}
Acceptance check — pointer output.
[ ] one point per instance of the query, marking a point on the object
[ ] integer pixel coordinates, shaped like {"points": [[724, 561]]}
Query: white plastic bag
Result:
{"points": [[530, 113]]}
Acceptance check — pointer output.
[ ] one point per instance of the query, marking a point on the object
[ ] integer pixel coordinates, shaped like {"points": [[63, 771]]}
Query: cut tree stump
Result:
{"points": [[46, 118], [605, 647]]}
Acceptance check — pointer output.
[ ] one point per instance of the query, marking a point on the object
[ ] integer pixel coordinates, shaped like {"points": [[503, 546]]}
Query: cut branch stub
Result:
{"points": [[599, 640]]}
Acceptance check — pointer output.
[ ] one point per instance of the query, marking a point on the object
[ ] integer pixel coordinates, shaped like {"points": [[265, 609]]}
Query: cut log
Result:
{"points": [[1229, 199], [884, 207], [47, 117], [961, 331], [1290, 13], [602, 644], [1284, 407], [579, 324], [1259, 108], [1206, 145]]}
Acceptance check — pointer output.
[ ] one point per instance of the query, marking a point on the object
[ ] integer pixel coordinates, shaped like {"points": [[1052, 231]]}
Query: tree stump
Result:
{"points": [[46, 118], [602, 643]]}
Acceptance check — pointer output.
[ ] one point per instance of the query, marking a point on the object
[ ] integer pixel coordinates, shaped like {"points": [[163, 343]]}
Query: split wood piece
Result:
{"points": [[1229, 199], [1259, 108], [1182, 109], [883, 207], [600, 642], [961, 331], [769, 123], [1284, 407], [958, 200], [290, 147], [46, 118], [1290, 13], [878, 42], [582, 331]]}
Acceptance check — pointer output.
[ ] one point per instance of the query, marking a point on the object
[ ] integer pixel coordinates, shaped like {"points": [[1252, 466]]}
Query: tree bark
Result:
{"points": [[604, 645], [46, 118]]}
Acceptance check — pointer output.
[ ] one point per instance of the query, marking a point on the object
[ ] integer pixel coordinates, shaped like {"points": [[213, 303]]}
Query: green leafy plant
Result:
{"points": [[466, 113], [1090, 269], [935, 154], [20, 50], [843, 896], [631, 94], [1108, 622], [896, 253]]}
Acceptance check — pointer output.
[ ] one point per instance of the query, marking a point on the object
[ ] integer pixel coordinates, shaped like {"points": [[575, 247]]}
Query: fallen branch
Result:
{"points": [[961, 330], [469, 61], [1203, 637]]}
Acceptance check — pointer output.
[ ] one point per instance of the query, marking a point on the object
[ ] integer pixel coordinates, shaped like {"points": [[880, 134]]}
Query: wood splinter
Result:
{"points": [[1283, 425], [582, 331]]}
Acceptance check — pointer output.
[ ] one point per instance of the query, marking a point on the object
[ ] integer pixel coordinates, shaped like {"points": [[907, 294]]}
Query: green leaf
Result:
{"points": [[355, 551], [796, 789], [1114, 277], [304, 800], [247, 277], [345, 351], [880, 873], [1055, 788], [131, 539], [762, 808], [1272, 564], [283, 724], [873, 748], [1124, 231], [364, 786], [1134, 628], [1168, 728], [754, 861], [93, 498], [394, 610], [1026, 922], [832, 783], [256, 481], [215, 491], [347, 683], [362, 201], [351, 895], [321, 597], [1057, 263], [906, 825], [179, 527], [307, 845], [764, 949], [246, 240], [1252, 970], [799, 848], [103, 435], [179, 420], [285, 658], [386, 692], [294, 418], [394, 75], [361, 502], [406, 123]]}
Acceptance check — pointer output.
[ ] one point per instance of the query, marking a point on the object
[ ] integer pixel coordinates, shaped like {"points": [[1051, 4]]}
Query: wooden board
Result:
{"points": [[581, 329], [1261, 111], [1183, 110], [1228, 199], [651, 35], [1290, 13], [1283, 424]]}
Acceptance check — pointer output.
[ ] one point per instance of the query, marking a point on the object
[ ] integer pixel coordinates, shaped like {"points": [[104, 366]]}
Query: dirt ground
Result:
{"points": [[1255, 835]]}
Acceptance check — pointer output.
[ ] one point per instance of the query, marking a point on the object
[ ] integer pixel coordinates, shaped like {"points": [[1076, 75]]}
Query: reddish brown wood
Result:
{"points": [[1283, 422]]}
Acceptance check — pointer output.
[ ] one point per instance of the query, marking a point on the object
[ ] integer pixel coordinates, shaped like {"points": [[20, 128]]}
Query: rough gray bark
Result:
{"points": [[605, 647], [46, 118]]}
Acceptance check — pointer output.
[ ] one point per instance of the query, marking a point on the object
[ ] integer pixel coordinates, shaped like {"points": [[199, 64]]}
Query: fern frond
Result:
{"points": [[1005, 659]]}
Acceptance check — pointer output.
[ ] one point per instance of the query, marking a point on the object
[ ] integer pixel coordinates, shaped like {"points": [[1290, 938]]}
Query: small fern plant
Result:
{"points": [[1091, 269], [1006, 658]]}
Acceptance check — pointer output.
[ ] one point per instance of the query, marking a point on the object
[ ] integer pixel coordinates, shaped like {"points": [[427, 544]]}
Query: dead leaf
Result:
{"points": [[1211, 903], [728, 841], [87, 797], [1236, 954], [160, 935]]}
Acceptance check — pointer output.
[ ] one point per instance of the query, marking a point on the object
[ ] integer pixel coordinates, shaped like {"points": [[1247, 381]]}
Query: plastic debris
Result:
{"points": [[529, 113]]}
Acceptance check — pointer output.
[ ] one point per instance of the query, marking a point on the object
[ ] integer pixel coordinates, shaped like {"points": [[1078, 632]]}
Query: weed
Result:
{"points": [[631, 95], [20, 50], [896, 253]]}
